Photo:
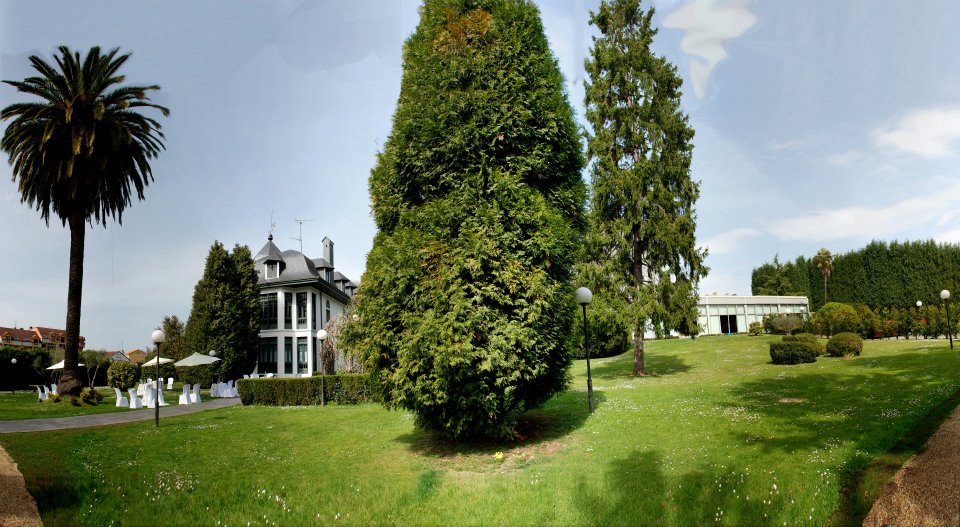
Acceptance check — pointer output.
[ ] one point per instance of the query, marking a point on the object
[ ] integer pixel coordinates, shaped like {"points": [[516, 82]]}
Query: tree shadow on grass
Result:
{"points": [[541, 429], [885, 411], [657, 365], [635, 491]]}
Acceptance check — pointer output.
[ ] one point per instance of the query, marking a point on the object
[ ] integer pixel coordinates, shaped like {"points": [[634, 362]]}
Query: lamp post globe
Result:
{"points": [[919, 303], [584, 296], [322, 337], [158, 336], [945, 295]]}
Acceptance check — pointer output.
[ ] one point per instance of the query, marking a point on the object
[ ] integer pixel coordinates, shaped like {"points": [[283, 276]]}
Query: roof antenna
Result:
{"points": [[300, 239], [272, 226]]}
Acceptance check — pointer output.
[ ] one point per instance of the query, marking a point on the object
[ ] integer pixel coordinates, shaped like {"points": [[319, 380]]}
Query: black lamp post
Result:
{"points": [[158, 337], [322, 336], [584, 296], [945, 295], [916, 331], [13, 368]]}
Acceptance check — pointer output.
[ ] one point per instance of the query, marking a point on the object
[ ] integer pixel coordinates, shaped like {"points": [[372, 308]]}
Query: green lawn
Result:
{"points": [[24, 405], [718, 436]]}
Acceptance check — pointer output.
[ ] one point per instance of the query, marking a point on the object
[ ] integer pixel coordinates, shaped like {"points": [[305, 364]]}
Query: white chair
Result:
{"points": [[150, 397], [160, 395], [42, 394], [215, 389], [185, 396], [195, 396], [170, 383], [53, 389], [46, 392], [246, 376], [228, 390], [269, 375], [121, 400], [135, 402]]}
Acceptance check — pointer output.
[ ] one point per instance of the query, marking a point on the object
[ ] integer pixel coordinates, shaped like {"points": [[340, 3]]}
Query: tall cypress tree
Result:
{"points": [[465, 305], [642, 249], [225, 315]]}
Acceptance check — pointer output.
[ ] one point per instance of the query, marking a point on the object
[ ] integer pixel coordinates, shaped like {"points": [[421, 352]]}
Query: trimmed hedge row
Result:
{"points": [[344, 388], [794, 352]]}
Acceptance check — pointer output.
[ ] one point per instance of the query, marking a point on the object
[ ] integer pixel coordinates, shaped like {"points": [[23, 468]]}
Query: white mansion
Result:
{"points": [[298, 297]]}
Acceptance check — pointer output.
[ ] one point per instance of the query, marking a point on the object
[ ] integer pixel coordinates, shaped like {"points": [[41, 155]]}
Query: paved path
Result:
{"points": [[85, 421]]}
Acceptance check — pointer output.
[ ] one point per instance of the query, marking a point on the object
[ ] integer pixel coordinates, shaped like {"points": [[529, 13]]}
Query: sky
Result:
{"points": [[818, 124]]}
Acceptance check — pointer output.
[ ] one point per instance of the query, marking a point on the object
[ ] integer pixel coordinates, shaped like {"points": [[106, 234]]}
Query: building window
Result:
{"points": [[273, 269], [268, 355], [301, 354], [328, 311], [329, 276], [301, 310], [288, 311], [288, 355], [268, 311], [313, 312]]}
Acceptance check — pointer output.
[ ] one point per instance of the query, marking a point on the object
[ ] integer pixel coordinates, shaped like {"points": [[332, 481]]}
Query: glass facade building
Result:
{"points": [[730, 314]]}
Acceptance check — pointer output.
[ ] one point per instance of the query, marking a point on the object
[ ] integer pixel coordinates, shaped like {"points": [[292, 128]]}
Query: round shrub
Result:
{"points": [[609, 336], [806, 337], [793, 352], [843, 344], [756, 329], [90, 396], [122, 375], [835, 317]]}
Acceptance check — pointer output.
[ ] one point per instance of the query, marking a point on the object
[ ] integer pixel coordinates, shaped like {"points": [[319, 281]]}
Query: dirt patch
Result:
{"points": [[791, 400], [17, 507]]}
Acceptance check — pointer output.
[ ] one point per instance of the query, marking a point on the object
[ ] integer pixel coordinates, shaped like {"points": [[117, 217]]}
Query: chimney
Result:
{"points": [[328, 250]]}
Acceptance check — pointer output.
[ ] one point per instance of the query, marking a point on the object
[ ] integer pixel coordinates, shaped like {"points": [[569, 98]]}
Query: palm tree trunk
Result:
{"points": [[824, 289], [70, 382]]}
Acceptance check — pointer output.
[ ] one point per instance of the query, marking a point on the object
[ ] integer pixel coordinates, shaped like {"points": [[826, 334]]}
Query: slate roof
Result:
{"points": [[269, 252], [296, 267]]}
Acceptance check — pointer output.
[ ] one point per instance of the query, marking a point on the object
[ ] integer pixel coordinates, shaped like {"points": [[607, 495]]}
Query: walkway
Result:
{"points": [[115, 418]]}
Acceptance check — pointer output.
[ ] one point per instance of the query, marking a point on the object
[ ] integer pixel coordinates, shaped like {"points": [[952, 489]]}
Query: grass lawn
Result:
{"points": [[24, 405], [718, 436]]}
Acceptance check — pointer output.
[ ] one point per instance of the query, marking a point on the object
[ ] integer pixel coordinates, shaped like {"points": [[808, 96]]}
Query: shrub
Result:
{"points": [[122, 375], [204, 375], [782, 323], [805, 337], [348, 388], [835, 317], [870, 325], [793, 352], [90, 396], [756, 328], [609, 335], [843, 344]]}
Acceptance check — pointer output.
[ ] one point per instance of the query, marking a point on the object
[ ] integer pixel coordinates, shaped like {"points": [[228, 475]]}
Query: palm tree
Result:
{"points": [[824, 261], [79, 152]]}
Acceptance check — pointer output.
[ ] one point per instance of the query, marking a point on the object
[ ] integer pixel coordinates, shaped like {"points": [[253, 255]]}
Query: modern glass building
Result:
{"points": [[729, 314]]}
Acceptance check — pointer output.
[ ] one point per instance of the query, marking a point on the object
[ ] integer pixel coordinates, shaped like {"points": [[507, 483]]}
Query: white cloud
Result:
{"points": [[787, 144], [728, 242], [867, 223], [709, 24], [951, 236], [927, 132], [845, 159]]}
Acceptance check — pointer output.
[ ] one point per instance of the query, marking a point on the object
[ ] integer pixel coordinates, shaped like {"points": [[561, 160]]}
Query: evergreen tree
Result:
{"points": [[172, 346], [225, 316], [641, 244], [466, 303]]}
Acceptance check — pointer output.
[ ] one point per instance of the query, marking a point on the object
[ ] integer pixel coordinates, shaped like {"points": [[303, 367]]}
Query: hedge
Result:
{"points": [[794, 352], [344, 388]]}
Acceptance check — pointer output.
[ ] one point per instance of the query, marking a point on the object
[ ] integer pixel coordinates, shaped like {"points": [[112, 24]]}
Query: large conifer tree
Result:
{"points": [[642, 249], [226, 312], [465, 305]]}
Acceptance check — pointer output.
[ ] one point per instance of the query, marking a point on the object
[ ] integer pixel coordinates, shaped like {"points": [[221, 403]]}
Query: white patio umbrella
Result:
{"points": [[59, 366], [197, 359], [153, 361]]}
